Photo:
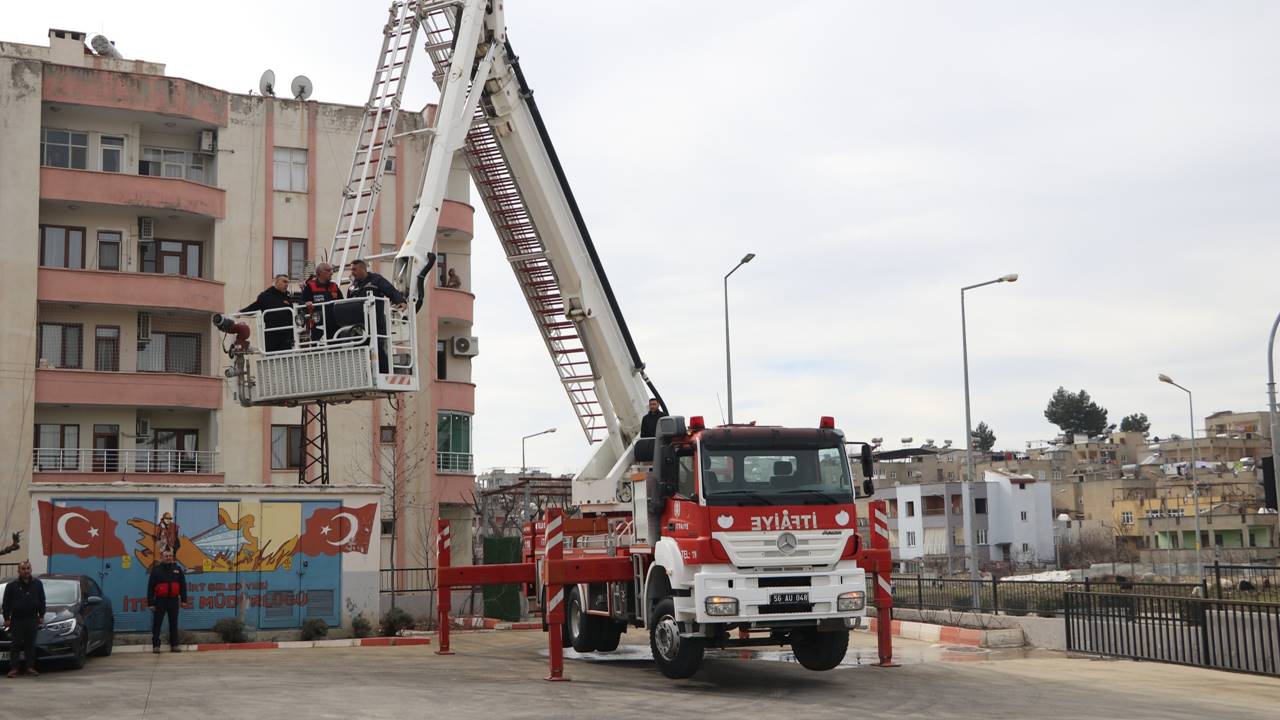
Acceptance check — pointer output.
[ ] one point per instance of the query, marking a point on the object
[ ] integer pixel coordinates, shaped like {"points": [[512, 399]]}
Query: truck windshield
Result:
{"points": [[808, 476]]}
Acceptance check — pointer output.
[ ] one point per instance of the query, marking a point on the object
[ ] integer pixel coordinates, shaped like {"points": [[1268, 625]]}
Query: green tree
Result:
{"points": [[984, 438], [1076, 413], [1136, 422]]}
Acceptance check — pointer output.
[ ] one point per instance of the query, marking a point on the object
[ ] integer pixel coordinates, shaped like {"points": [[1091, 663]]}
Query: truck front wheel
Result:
{"points": [[819, 650], [677, 657]]}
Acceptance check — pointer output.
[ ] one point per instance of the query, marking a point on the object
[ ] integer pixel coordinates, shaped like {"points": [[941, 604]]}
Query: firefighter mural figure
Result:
{"points": [[166, 536]]}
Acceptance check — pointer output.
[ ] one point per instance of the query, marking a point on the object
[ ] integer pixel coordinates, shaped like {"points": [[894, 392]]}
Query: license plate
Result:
{"points": [[795, 598]]}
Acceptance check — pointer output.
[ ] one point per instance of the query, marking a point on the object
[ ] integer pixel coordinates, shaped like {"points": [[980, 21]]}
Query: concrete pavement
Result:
{"points": [[498, 675]]}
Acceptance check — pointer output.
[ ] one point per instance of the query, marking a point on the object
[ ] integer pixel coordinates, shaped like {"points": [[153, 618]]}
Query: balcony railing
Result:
{"points": [[146, 461], [454, 462]]}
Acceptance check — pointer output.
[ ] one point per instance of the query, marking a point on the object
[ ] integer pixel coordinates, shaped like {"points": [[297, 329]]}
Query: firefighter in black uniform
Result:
{"points": [[166, 591], [279, 336], [371, 284], [648, 430], [318, 290]]}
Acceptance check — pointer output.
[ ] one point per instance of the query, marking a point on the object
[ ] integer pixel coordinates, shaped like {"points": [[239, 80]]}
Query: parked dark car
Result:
{"points": [[78, 620]]}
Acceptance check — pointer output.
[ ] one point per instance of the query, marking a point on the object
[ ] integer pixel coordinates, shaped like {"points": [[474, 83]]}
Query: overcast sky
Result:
{"points": [[1121, 157]]}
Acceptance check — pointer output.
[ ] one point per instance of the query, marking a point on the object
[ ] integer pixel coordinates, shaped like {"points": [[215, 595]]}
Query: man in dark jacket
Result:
{"points": [[371, 284], [166, 591], [279, 324], [23, 608], [318, 290], [648, 430]]}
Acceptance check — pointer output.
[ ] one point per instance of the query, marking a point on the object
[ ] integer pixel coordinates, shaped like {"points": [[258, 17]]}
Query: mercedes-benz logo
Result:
{"points": [[786, 543]]}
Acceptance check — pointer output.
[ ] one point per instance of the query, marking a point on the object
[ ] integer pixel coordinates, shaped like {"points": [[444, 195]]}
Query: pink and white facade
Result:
{"points": [[135, 205]]}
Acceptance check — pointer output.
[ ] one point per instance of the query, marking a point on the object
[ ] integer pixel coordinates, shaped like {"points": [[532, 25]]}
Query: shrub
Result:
{"points": [[962, 601], [231, 630], [1014, 604], [361, 627], [1047, 606], [314, 629], [394, 621], [186, 637]]}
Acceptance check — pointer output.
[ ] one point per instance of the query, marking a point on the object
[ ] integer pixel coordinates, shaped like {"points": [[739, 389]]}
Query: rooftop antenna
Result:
{"points": [[721, 408], [267, 83], [301, 87]]}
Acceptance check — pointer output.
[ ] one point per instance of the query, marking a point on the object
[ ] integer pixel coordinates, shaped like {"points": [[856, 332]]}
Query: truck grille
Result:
{"points": [[752, 549]]}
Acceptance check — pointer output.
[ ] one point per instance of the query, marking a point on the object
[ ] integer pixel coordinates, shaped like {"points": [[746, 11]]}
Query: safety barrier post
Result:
{"points": [[884, 587], [554, 611], [444, 599]]}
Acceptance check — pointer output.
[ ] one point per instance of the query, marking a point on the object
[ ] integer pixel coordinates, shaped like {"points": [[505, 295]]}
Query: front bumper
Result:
{"points": [[753, 591], [48, 645]]}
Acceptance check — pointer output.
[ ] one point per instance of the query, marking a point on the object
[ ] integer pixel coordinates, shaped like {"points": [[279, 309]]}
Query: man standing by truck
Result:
{"points": [[23, 608], [166, 591]]}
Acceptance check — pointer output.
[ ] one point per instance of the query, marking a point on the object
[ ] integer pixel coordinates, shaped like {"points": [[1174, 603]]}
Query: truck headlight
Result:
{"points": [[720, 605], [851, 601], [62, 627]]}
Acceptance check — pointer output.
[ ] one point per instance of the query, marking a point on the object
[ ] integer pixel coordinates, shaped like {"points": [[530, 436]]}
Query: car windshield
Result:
{"points": [[774, 476], [56, 592]]}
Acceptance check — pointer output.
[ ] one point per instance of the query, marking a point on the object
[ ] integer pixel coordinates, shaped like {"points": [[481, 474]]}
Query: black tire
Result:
{"points": [[104, 650], [676, 657], [82, 652], [580, 626], [609, 634], [820, 650]]}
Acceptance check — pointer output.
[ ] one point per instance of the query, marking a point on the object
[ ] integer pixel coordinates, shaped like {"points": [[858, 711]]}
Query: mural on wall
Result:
{"points": [[271, 562]]}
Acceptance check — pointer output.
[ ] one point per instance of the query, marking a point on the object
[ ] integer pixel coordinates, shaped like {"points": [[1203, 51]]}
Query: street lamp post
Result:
{"points": [[524, 506], [1271, 408], [965, 490], [1195, 487], [728, 365]]}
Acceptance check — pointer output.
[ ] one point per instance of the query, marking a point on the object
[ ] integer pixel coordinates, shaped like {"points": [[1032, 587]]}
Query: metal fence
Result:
{"points": [[1220, 634], [1014, 597], [1251, 583], [92, 460], [408, 580]]}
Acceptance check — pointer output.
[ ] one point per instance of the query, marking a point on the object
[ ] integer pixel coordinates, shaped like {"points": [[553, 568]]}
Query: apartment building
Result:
{"points": [[136, 205]]}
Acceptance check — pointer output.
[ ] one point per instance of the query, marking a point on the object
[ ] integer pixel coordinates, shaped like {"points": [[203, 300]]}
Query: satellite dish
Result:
{"points": [[301, 87], [267, 83]]}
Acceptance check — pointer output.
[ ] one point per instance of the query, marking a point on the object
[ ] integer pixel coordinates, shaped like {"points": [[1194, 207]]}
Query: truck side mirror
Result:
{"points": [[868, 470]]}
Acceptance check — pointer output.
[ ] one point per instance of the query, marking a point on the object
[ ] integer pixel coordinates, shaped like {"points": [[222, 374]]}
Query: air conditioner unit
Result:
{"points": [[208, 141], [146, 229], [143, 428], [144, 327], [464, 346]]}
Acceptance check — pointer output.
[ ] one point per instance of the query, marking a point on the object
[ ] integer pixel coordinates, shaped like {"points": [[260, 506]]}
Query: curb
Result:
{"points": [[950, 635], [289, 644]]}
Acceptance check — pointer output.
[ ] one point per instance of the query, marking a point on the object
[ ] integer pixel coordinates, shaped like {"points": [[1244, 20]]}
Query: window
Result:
{"points": [[1057, 475], [957, 504], [172, 257], [61, 246], [442, 360], [106, 348], [957, 537], [1153, 514], [172, 353], [387, 434], [982, 536], [56, 447], [1177, 512], [389, 165], [64, 149], [893, 474], [163, 162], [289, 257], [286, 447], [106, 448], [453, 442], [979, 506], [112, 147], [108, 250], [442, 269], [1026, 547], [1024, 515], [290, 169], [911, 508], [60, 345], [1126, 518], [911, 538], [388, 527]]}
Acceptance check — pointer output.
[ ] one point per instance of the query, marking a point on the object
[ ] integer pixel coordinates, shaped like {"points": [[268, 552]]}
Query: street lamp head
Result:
{"points": [[551, 430], [1011, 277], [1164, 378], [748, 258]]}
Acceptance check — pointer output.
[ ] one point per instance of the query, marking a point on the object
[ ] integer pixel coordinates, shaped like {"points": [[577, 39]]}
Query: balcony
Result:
{"points": [[456, 216], [454, 395], [129, 389], [145, 191], [173, 97], [452, 304], [134, 289], [62, 465], [456, 463]]}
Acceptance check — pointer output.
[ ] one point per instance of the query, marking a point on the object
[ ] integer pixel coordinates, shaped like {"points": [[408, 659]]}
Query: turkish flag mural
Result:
{"points": [[330, 531], [78, 531]]}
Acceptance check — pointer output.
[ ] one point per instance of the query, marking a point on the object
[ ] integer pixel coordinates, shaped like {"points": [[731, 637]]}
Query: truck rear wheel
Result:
{"points": [[581, 626], [819, 650], [608, 633], [675, 656]]}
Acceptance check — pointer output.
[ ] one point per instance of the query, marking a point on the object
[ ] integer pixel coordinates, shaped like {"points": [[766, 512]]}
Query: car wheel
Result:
{"points": [[675, 656], [819, 650], [82, 652], [104, 650]]}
